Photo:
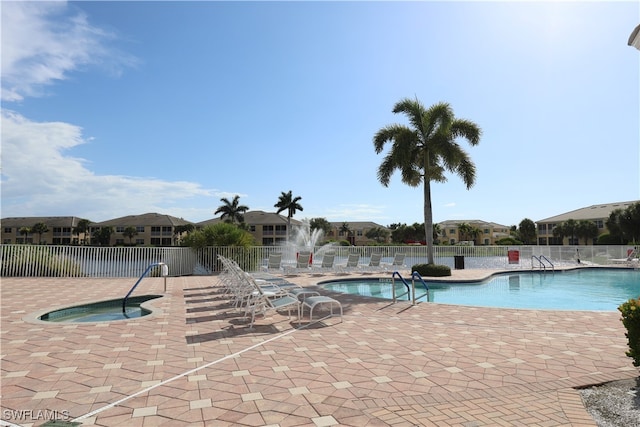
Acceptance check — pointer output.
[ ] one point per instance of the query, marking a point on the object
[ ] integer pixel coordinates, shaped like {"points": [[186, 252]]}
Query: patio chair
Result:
{"points": [[303, 263], [374, 263], [351, 264], [262, 301], [630, 260], [328, 260], [274, 264], [398, 261]]}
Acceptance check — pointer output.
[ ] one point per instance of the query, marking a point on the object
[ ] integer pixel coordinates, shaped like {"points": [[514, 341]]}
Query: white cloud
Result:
{"points": [[39, 178], [42, 43]]}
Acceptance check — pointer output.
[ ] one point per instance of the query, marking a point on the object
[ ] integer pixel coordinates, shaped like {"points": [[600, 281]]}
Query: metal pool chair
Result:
{"points": [[398, 261], [303, 263], [374, 263], [328, 260], [274, 264], [262, 301], [351, 264]]}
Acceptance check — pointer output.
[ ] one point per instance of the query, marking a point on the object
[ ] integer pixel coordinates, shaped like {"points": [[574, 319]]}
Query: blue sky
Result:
{"points": [[120, 108]]}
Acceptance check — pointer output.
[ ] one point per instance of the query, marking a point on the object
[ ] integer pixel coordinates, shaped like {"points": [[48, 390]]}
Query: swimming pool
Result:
{"points": [[597, 289]]}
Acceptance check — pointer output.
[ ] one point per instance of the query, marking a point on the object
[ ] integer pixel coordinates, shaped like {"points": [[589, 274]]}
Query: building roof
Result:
{"points": [[49, 221], [592, 212], [147, 219], [256, 218]]}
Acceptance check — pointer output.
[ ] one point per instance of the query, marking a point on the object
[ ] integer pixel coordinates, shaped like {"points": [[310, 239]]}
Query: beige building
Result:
{"points": [[267, 228], [60, 230], [596, 213], [487, 232], [153, 229]]}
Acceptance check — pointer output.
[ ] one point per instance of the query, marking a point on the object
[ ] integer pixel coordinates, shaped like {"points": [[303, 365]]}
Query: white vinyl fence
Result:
{"points": [[86, 261]]}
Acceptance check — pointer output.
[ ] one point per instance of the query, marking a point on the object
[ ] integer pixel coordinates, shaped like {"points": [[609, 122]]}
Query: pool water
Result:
{"points": [[102, 311], [581, 289]]}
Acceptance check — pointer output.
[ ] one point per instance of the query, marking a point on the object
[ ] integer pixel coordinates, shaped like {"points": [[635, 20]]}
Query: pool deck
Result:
{"points": [[195, 363]]}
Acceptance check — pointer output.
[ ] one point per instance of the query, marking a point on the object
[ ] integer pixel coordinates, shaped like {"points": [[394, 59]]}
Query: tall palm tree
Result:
{"points": [[232, 211], [423, 151], [287, 202]]}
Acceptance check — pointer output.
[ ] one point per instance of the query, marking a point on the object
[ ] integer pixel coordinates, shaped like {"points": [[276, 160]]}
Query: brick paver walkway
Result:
{"points": [[194, 363]]}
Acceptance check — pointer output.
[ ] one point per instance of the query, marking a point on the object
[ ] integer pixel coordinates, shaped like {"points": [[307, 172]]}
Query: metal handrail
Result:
{"points": [[542, 257], [542, 266], [393, 285], [165, 273], [413, 284], [541, 260]]}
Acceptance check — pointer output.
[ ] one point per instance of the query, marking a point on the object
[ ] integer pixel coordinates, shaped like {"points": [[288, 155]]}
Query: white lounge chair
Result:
{"points": [[398, 261], [351, 264], [274, 264], [630, 260], [374, 263], [303, 263], [326, 265]]}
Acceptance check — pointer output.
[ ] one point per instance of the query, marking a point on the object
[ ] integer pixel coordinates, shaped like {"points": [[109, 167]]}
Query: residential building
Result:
{"points": [[153, 229], [60, 230], [488, 232], [357, 234], [267, 228], [596, 213]]}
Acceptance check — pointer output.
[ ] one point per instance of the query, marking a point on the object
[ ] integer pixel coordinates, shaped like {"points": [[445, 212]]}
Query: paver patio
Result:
{"points": [[195, 363]]}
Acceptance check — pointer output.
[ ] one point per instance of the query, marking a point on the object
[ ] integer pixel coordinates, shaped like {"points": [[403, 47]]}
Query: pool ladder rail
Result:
{"points": [[164, 271], [411, 290], [542, 263]]}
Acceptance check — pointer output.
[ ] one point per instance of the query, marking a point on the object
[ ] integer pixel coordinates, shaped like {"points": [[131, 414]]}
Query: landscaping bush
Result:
{"points": [[431, 270], [631, 320]]}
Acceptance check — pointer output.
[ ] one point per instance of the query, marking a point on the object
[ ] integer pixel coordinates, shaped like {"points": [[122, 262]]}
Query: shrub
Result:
{"points": [[431, 270], [631, 320]]}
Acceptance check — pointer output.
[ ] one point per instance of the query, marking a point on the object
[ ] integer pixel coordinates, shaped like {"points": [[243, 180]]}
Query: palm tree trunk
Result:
{"points": [[428, 219]]}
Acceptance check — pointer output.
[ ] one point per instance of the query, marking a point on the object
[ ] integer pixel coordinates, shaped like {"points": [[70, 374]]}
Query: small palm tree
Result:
{"points": [[25, 231], [423, 151], [287, 202], [82, 228], [130, 232], [232, 211], [40, 228]]}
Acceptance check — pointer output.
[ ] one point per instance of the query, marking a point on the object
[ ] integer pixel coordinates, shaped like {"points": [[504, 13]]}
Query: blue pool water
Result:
{"points": [[581, 289]]}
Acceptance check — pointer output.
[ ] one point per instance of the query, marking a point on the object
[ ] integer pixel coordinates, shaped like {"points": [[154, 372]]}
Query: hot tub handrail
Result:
{"points": [[165, 272]]}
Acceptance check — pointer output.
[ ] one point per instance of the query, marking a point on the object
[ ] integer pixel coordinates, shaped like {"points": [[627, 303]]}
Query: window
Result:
{"points": [[140, 229], [252, 228], [155, 231], [599, 223], [139, 241], [119, 242], [542, 228], [281, 230], [452, 231], [7, 229], [167, 231], [120, 229], [267, 230], [166, 241], [155, 241]]}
